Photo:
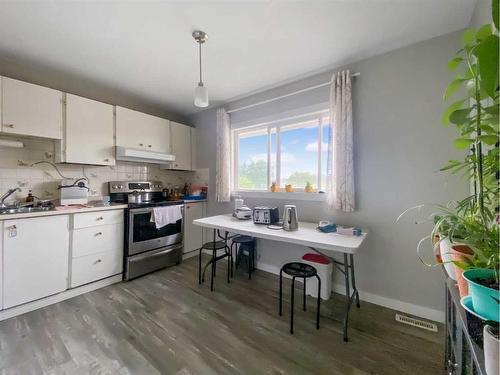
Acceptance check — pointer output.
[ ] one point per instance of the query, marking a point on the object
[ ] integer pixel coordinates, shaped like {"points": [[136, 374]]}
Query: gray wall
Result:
{"points": [[481, 15], [67, 81], [399, 147]]}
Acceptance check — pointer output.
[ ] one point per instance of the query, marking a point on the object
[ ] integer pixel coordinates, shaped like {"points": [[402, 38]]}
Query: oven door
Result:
{"points": [[143, 235]]}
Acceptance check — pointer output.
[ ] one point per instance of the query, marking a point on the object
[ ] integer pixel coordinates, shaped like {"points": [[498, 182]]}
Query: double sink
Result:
{"points": [[23, 210]]}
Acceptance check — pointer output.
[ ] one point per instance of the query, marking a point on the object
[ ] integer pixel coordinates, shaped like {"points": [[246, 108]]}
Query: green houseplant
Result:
{"points": [[472, 224], [474, 220]]}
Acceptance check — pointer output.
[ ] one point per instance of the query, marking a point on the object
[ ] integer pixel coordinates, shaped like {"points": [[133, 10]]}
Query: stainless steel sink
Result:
{"points": [[23, 210]]}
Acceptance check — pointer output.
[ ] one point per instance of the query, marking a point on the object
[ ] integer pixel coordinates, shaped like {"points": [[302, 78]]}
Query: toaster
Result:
{"points": [[266, 215]]}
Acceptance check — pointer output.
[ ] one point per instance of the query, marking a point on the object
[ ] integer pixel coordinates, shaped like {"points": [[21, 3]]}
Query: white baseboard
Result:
{"points": [[405, 307], [67, 294]]}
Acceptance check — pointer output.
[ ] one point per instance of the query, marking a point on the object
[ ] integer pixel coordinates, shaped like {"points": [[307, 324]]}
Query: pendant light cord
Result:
{"points": [[201, 80]]}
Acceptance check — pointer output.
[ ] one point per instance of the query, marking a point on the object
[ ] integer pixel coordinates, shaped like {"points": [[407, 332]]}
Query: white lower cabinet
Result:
{"points": [[35, 258], [96, 246], [193, 234]]}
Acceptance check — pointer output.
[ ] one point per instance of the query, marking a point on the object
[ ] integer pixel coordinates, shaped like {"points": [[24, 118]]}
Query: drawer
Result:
{"points": [[97, 239], [94, 267], [91, 219]]}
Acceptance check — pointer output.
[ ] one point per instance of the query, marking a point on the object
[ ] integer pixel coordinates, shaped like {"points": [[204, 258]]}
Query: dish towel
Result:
{"points": [[165, 215]]}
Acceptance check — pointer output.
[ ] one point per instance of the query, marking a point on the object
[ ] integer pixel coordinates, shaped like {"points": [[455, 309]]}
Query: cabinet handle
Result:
{"points": [[98, 261], [98, 234], [100, 218], [8, 125], [141, 144], [150, 146], [106, 160]]}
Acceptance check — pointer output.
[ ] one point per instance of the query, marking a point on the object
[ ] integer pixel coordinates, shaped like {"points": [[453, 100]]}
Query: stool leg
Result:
{"points": [[291, 307], [199, 266], [237, 255], [213, 270], [304, 303], [232, 263], [249, 265], [281, 291], [319, 302], [228, 263]]}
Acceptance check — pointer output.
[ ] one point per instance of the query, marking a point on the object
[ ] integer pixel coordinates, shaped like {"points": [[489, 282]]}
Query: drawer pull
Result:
{"points": [[98, 234], [8, 125], [106, 160], [98, 261], [100, 218], [141, 144], [150, 146]]}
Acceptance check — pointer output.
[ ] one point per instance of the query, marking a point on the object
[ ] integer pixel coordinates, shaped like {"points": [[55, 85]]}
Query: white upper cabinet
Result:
{"points": [[142, 131], [180, 136], [88, 132], [31, 110]]}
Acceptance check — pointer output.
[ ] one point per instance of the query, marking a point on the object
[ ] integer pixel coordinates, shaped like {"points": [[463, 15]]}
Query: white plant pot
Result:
{"points": [[445, 250], [491, 347]]}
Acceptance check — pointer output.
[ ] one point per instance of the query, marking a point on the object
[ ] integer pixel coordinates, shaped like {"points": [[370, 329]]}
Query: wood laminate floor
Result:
{"points": [[164, 323]]}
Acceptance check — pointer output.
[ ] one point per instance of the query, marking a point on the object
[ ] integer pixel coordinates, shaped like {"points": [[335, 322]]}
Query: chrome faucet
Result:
{"points": [[6, 195]]}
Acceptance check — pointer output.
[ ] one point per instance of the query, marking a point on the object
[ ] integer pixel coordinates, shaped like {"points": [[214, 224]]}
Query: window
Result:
{"points": [[289, 151]]}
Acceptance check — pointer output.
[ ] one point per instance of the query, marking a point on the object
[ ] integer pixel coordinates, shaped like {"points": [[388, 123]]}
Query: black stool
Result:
{"points": [[215, 246], [304, 271], [246, 243]]}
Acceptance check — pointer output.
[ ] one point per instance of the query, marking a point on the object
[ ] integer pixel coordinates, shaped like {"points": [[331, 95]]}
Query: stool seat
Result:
{"points": [[217, 245], [243, 239], [298, 269]]}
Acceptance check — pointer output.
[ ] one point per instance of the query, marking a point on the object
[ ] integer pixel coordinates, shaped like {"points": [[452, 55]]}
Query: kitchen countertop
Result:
{"points": [[194, 200], [67, 211]]}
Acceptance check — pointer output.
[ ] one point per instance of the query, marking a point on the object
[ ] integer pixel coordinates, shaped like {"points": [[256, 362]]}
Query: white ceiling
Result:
{"points": [[145, 48]]}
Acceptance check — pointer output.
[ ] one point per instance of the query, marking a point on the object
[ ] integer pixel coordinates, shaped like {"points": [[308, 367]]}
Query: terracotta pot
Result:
{"points": [[461, 253]]}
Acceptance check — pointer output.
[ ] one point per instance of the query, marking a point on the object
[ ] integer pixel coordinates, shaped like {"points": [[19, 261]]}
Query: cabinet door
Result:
{"points": [[141, 131], [193, 234], [89, 132], [181, 145], [35, 255], [31, 110]]}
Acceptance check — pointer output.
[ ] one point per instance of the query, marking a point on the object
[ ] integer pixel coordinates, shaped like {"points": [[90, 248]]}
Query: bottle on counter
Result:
{"points": [[30, 198]]}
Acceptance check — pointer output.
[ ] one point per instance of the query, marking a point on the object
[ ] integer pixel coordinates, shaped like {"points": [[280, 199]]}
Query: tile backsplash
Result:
{"points": [[43, 179]]}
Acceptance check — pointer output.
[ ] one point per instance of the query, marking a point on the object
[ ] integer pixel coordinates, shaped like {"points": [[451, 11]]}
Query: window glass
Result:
{"points": [[299, 154], [252, 160]]}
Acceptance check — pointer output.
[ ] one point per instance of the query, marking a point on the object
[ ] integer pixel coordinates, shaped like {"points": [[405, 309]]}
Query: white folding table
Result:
{"points": [[307, 235]]}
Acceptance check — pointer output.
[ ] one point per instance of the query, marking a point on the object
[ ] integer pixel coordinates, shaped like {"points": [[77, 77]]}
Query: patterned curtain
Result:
{"points": [[223, 164], [340, 173]]}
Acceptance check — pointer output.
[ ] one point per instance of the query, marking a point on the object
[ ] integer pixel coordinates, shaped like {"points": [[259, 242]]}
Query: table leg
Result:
{"points": [[353, 281], [347, 296]]}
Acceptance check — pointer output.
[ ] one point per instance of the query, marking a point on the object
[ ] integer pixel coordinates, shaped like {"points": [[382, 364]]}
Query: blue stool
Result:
{"points": [[244, 244]]}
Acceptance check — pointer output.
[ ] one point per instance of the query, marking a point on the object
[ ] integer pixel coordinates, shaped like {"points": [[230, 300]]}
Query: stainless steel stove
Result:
{"points": [[147, 248]]}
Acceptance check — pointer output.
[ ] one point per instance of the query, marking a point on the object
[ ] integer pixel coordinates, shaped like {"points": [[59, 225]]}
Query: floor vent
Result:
{"points": [[416, 323]]}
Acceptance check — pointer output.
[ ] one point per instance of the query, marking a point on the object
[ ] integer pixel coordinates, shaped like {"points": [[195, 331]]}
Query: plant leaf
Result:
{"points": [[463, 143], [488, 139], [469, 37], [452, 87], [445, 119], [459, 116], [484, 32], [487, 54], [454, 62]]}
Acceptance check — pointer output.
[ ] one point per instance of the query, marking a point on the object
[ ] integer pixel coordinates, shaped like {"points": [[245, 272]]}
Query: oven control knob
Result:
{"points": [[114, 186], [120, 186]]}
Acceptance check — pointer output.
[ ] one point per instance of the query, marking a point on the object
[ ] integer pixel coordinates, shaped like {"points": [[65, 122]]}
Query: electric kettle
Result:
{"points": [[290, 220]]}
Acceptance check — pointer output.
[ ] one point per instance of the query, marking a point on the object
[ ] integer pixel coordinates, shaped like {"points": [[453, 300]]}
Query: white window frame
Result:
{"points": [[269, 127]]}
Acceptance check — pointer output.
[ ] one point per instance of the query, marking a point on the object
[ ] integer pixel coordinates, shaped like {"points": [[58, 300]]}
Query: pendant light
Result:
{"points": [[200, 92]]}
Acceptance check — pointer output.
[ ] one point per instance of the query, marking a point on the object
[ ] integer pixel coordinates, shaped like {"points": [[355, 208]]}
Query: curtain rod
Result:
{"points": [[286, 95]]}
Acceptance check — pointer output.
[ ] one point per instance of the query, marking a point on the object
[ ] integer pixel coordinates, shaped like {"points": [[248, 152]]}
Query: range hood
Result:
{"points": [[143, 156]]}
